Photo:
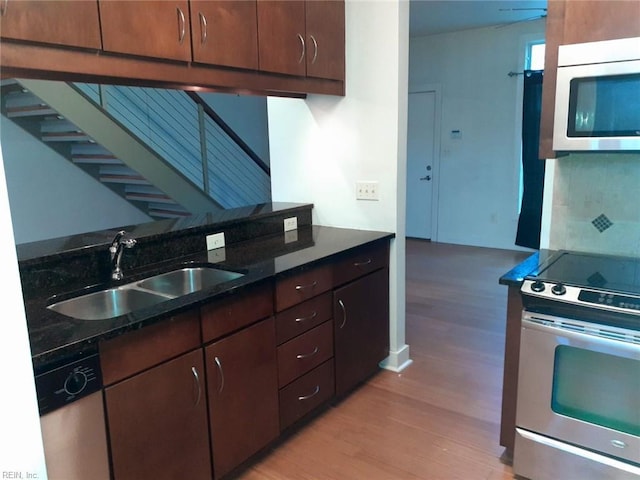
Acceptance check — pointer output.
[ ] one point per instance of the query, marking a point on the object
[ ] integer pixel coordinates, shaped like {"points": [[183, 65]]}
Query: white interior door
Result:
{"points": [[420, 163]]}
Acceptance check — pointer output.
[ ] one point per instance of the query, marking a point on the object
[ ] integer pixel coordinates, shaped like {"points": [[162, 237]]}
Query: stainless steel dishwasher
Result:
{"points": [[72, 421]]}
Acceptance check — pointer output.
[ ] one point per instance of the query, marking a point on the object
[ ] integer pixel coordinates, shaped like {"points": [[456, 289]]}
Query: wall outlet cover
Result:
{"points": [[367, 190], [290, 223], [215, 240]]}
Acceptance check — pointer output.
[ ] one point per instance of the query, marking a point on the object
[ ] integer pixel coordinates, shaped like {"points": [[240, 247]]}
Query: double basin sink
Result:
{"points": [[123, 299]]}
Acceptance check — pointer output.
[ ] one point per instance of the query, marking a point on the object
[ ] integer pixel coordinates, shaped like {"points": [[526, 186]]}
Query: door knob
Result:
{"points": [[427, 178]]}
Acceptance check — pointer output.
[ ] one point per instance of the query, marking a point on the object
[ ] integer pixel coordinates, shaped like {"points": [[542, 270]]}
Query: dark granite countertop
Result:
{"points": [[530, 266], [56, 338]]}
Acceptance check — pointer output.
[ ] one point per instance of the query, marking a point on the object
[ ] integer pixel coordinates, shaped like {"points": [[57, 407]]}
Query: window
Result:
{"points": [[535, 56]]}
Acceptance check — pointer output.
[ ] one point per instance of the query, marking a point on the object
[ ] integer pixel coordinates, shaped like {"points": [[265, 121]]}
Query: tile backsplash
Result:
{"points": [[596, 204]]}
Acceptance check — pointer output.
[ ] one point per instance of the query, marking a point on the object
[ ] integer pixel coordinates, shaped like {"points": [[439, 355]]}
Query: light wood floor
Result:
{"points": [[439, 418]]}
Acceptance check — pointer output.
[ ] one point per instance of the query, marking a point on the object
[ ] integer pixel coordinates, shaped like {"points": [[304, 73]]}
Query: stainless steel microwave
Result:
{"points": [[598, 97]]}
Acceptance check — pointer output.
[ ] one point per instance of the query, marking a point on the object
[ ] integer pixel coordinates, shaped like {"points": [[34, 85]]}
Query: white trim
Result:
{"points": [[547, 203], [436, 88], [397, 361]]}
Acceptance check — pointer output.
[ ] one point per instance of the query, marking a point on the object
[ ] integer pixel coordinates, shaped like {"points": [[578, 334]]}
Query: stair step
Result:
{"points": [[144, 193], [66, 137], [26, 104], [121, 174], [166, 211], [94, 154]]}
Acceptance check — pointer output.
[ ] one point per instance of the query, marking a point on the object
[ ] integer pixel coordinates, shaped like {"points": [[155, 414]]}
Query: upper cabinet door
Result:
{"points": [[325, 39], [58, 22], [598, 20], [225, 33], [281, 36], [158, 29]]}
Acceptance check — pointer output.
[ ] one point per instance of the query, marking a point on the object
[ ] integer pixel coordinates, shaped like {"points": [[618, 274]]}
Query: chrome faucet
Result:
{"points": [[119, 243]]}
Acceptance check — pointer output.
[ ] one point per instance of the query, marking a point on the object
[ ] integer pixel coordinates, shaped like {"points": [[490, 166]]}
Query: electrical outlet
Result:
{"points": [[215, 241], [290, 223], [367, 190]]}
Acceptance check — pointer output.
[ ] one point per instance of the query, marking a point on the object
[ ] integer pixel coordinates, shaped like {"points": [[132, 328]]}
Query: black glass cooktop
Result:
{"points": [[614, 274]]}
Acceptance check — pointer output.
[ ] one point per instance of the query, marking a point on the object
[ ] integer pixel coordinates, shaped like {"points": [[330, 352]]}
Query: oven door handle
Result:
{"points": [[621, 340]]}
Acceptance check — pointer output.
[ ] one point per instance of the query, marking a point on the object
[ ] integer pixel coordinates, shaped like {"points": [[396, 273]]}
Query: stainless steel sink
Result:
{"points": [[113, 302], [187, 280], [109, 303]]}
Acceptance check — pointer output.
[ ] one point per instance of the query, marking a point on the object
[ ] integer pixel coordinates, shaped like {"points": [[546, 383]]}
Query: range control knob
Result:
{"points": [[558, 289], [537, 286], [75, 383]]}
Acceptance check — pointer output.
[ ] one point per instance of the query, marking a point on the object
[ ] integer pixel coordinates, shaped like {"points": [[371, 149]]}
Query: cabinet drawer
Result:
{"points": [[302, 317], [303, 286], [365, 260], [232, 313], [133, 352], [308, 392], [305, 352]]}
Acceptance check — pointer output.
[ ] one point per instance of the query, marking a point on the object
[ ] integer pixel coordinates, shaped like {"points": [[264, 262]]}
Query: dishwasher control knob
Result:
{"points": [[75, 383], [537, 286], [558, 289]]}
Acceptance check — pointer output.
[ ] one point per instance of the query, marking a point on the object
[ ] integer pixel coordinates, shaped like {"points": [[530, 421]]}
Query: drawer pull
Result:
{"points": [[344, 314], [197, 379], [301, 356], [311, 395], [310, 317], [221, 383], [304, 287], [362, 264]]}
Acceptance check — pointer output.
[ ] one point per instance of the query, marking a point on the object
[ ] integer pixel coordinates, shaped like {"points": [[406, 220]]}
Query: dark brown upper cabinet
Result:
{"points": [[225, 33], [159, 29], [74, 24]]}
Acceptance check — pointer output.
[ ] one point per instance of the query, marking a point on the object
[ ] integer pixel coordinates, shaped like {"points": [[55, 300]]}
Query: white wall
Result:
{"points": [[247, 115], [20, 438], [50, 197], [479, 173], [322, 145]]}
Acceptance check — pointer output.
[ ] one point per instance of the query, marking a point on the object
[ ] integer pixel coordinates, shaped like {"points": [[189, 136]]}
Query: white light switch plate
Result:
{"points": [[215, 240], [367, 190]]}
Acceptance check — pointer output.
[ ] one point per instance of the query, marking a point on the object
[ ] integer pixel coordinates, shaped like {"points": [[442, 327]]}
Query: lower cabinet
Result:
{"points": [[242, 383], [158, 422], [361, 328]]}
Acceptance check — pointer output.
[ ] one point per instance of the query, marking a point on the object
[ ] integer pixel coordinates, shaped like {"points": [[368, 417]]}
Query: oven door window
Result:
{"points": [[597, 388]]}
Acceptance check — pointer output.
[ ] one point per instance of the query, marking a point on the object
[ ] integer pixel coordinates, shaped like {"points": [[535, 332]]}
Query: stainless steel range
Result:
{"points": [[578, 410]]}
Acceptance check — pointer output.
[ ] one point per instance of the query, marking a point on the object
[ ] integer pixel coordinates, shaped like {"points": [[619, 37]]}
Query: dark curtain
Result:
{"points": [[528, 234]]}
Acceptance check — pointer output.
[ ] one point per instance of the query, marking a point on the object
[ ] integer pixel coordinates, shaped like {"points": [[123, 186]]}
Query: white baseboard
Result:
{"points": [[397, 361]]}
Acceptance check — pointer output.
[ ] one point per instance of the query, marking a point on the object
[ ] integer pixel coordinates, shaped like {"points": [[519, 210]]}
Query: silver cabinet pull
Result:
{"points": [[362, 264], [304, 319], [197, 379], [203, 28], [3, 9], [302, 356], [344, 313], [301, 38], [303, 287], [221, 383], [311, 395], [315, 49], [182, 25]]}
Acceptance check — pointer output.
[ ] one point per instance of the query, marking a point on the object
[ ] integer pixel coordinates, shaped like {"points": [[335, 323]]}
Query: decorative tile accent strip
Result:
{"points": [[601, 223]]}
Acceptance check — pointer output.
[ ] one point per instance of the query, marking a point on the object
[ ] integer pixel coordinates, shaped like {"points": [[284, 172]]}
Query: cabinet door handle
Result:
{"points": [[303, 287], [221, 382], [182, 25], [362, 264], [301, 38], [304, 319], [197, 379], [315, 49], [311, 395], [203, 28], [302, 356], [3, 9], [344, 313]]}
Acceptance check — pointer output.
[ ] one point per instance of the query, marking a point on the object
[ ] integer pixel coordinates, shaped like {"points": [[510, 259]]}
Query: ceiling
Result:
{"points": [[428, 17]]}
